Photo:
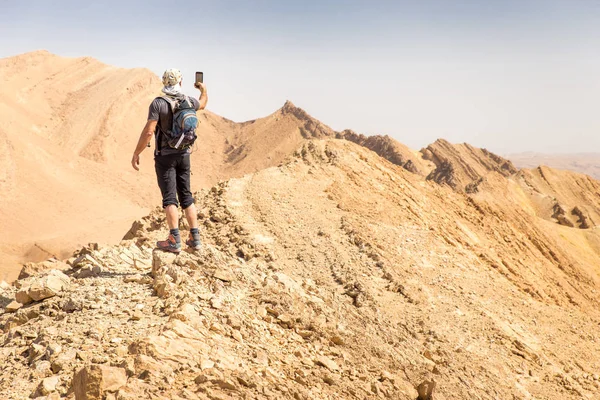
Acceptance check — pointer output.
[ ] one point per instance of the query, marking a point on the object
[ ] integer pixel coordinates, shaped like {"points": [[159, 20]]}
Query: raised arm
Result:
{"points": [[203, 95]]}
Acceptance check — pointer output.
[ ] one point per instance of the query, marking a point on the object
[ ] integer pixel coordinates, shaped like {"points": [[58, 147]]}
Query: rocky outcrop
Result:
{"points": [[462, 167], [560, 215], [388, 148], [569, 198], [43, 287], [96, 382], [31, 269], [310, 128], [583, 220]]}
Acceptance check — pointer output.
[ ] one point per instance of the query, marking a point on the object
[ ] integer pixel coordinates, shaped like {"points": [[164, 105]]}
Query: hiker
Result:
{"points": [[172, 154]]}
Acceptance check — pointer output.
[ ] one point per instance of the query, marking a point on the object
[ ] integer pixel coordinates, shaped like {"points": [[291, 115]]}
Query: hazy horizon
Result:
{"points": [[510, 76]]}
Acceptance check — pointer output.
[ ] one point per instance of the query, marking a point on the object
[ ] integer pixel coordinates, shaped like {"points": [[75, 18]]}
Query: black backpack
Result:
{"points": [[185, 121]]}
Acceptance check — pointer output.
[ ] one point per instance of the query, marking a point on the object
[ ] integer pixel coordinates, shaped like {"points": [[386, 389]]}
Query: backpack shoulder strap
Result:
{"points": [[171, 101], [172, 105], [188, 103]]}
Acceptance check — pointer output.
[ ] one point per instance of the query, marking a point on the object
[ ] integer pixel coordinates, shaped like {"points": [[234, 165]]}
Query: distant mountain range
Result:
{"points": [[585, 163]]}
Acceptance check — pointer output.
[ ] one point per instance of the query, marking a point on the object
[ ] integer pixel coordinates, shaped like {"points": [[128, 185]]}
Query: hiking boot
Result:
{"points": [[194, 244], [169, 245]]}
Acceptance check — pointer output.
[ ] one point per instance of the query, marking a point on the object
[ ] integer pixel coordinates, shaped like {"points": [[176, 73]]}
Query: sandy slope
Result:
{"points": [[69, 128], [70, 125], [62, 181], [345, 271]]}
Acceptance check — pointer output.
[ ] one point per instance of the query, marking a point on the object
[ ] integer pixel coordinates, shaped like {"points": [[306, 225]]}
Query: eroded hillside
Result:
{"points": [[337, 274], [69, 128]]}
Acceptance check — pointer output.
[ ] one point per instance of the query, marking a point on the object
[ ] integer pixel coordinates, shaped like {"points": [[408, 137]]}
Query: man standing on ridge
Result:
{"points": [[172, 163]]}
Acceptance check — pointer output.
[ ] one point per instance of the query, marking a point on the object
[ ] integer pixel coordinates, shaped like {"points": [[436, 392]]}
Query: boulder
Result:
{"points": [[88, 271], [224, 275], [22, 296], [161, 259], [48, 385], [13, 306], [425, 390], [33, 269], [49, 285], [94, 382]]}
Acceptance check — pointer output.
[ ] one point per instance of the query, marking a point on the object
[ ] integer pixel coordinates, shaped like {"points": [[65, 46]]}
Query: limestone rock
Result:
{"points": [[13, 306], [22, 296], [161, 259], [216, 303], [224, 275], [407, 389], [88, 271], [163, 287], [36, 351], [32, 269], [245, 380], [42, 368], [149, 368], [425, 390], [48, 385], [48, 286], [327, 363], [137, 315], [94, 381]]}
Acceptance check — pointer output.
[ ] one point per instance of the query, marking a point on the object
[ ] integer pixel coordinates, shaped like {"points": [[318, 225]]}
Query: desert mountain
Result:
{"points": [[462, 166], [62, 151], [332, 268], [336, 274], [563, 197], [69, 128], [390, 149], [584, 163]]}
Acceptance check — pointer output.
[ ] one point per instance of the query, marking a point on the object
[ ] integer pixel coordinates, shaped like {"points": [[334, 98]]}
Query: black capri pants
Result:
{"points": [[173, 174]]}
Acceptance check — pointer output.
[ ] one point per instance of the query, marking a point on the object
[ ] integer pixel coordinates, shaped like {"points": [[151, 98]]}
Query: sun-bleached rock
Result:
{"points": [[224, 275], [48, 385], [93, 382], [22, 296], [327, 363], [88, 271], [161, 259], [47, 286], [13, 306], [33, 269]]}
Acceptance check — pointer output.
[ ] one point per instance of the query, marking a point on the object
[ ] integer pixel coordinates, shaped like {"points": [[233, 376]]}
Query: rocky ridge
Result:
{"points": [[390, 149], [382, 285], [462, 166]]}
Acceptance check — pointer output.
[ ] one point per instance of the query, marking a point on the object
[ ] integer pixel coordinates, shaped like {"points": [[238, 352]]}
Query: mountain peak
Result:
{"points": [[310, 127], [288, 105]]}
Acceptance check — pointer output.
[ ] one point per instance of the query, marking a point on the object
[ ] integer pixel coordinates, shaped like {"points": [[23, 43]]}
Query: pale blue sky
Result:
{"points": [[506, 75]]}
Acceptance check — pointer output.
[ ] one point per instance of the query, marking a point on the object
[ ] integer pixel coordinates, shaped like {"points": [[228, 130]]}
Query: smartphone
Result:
{"points": [[200, 77]]}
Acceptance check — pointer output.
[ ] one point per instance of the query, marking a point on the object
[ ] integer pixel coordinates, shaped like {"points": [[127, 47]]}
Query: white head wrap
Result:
{"points": [[172, 81]]}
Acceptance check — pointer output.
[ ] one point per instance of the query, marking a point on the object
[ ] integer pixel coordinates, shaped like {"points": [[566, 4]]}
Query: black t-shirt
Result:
{"points": [[160, 111]]}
